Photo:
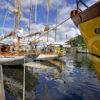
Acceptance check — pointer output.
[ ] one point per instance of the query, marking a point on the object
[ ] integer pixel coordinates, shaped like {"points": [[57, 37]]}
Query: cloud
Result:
{"points": [[26, 3], [68, 28], [37, 27], [6, 29]]}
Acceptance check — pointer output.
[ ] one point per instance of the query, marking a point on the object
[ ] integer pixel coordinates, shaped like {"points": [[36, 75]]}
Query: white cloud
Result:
{"points": [[37, 27], [26, 3], [63, 13]]}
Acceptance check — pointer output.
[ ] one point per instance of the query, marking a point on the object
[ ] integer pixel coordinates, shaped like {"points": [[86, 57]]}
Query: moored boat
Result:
{"points": [[47, 56], [88, 22]]}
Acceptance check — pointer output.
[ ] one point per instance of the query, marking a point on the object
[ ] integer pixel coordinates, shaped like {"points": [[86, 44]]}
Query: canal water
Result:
{"points": [[77, 80], [73, 77]]}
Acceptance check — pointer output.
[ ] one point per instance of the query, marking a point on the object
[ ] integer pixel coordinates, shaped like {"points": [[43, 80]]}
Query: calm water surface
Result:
{"points": [[76, 80]]}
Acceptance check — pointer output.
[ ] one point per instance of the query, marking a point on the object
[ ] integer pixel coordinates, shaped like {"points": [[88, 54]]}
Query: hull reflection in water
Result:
{"points": [[78, 80], [96, 62]]}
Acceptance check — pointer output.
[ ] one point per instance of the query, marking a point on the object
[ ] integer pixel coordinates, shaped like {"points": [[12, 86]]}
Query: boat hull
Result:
{"points": [[88, 22], [12, 60], [91, 38], [46, 57]]}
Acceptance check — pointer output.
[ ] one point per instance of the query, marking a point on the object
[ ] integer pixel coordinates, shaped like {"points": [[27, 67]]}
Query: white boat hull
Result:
{"points": [[12, 60], [47, 57]]}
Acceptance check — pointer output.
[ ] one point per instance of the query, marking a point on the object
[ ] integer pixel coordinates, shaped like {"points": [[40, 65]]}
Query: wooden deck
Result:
{"points": [[2, 95]]}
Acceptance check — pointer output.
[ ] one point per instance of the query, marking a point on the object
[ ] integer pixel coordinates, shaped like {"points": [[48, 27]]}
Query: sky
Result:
{"points": [[64, 32]]}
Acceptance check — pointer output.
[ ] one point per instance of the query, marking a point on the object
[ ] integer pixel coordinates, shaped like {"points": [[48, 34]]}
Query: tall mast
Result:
{"points": [[30, 7], [48, 16], [15, 15], [56, 18], [14, 21], [18, 24], [36, 12]]}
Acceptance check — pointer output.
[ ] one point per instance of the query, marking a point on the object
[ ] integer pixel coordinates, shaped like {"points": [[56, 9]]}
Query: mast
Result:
{"points": [[56, 18], [18, 25], [30, 7], [15, 15], [36, 12], [48, 17]]}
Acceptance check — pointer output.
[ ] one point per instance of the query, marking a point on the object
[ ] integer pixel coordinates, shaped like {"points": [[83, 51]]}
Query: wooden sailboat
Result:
{"points": [[12, 54], [8, 56], [50, 52]]}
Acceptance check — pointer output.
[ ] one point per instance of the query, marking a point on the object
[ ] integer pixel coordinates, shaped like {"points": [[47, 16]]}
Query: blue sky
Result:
{"points": [[64, 8]]}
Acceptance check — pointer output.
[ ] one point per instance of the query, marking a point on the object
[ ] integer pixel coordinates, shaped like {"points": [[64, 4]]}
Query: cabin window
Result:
{"points": [[3, 49]]}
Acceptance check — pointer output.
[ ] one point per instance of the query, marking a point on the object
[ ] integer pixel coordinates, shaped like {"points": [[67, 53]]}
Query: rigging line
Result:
{"points": [[53, 28]]}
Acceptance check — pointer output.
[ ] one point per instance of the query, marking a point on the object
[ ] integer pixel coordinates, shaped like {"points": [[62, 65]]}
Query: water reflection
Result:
{"points": [[76, 79]]}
